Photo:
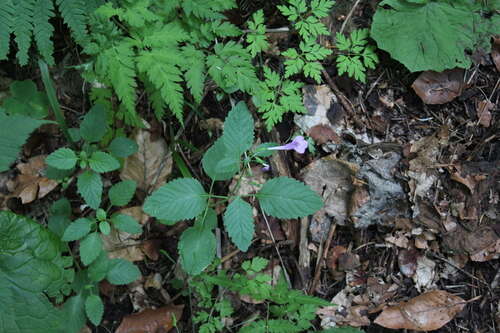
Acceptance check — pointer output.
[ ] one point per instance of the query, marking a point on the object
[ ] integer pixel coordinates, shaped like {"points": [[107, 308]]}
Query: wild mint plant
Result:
{"points": [[306, 19], [356, 55], [289, 310], [185, 198], [90, 159]]}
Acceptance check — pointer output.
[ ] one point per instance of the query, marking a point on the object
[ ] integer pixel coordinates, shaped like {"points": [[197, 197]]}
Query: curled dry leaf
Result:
{"points": [[427, 312], [439, 88], [150, 165], [151, 320]]}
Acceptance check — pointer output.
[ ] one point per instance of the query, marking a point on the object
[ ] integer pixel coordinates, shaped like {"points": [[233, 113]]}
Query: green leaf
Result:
{"points": [[74, 313], [197, 249], [90, 248], [238, 221], [121, 193], [90, 186], [77, 230], [219, 163], [343, 330], [122, 272], [103, 162], [94, 124], [126, 223], [122, 147], [14, 131], [105, 227], [30, 264], [180, 199], [238, 129], [287, 198], [63, 159], [94, 308], [430, 36], [59, 219], [99, 267], [26, 100]]}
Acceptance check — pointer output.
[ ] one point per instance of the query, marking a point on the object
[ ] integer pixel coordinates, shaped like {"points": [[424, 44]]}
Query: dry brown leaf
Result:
{"points": [[150, 165], [407, 260], [31, 184], [484, 112], [427, 312], [322, 134], [151, 320], [439, 88]]}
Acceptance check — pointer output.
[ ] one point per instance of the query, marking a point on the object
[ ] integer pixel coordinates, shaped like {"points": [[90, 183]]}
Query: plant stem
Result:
{"points": [[51, 94]]}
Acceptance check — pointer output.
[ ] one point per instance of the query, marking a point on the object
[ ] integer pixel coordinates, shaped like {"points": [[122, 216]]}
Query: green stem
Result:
{"points": [[51, 94]]}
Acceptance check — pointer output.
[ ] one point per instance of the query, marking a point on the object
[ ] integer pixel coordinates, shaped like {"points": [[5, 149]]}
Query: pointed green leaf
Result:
{"points": [[121, 193], [122, 272], [90, 248], [220, 164], [62, 159], [94, 124], [238, 221], [74, 313], [99, 267], [103, 162], [126, 223], [89, 186], [197, 249], [180, 199], [122, 147], [288, 198], [77, 230], [94, 308], [238, 129]]}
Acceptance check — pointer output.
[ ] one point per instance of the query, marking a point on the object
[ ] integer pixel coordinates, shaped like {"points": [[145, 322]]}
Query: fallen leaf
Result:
{"points": [[31, 183], [151, 320], [322, 134], [425, 274], [427, 312], [343, 312], [439, 88], [407, 260], [150, 165]]}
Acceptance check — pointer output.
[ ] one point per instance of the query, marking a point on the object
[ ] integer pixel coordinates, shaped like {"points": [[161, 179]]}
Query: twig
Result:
{"points": [[348, 17], [458, 268], [322, 257], [343, 100]]}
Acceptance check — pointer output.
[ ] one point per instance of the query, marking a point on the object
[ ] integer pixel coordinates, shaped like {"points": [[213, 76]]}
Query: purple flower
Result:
{"points": [[266, 167], [298, 144]]}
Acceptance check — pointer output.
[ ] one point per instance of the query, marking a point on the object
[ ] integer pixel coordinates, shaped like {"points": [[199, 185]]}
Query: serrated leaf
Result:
{"points": [[103, 162], [238, 129], [77, 229], [238, 221], [121, 193], [63, 159], [219, 163], [99, 267], [180, 199], [430, 36], [122, 147], [26, 100], [90, 186], [90, 248], [74, 313], [285, 197], [94, 124], [94, 308], [122, 272], [126, 223], [197, 249]]}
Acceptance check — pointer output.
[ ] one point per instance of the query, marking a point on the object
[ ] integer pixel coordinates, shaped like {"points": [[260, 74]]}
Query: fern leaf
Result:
{"points": [[160, 65], [195, 71], [121, 69], [43, 30], [23, 28], [74, 15], [6, 16]]}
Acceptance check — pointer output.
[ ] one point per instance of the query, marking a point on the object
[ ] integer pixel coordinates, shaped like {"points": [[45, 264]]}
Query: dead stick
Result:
{"points": [[323, 255], [343, 99]]}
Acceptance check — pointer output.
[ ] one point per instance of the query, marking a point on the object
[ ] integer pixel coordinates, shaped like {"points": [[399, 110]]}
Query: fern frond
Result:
{"points": [[74, 15], [6, 18], [23, 28], [207, 9], [194, 71], [42, 29], [160, 65]]}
